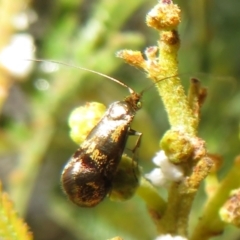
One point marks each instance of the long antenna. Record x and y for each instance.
(172, 76)
(85, 69)
(104, 75)
(153, 84)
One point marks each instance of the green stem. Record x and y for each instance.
(210, 224)
(175, 219)
(150, 195)
(171, 90)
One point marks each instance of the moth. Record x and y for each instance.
(87, 177)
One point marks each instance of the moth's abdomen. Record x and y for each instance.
(82, 181)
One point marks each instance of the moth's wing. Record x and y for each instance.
(82, 181)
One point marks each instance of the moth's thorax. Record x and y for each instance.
(120, 111)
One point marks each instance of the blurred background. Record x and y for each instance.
(36, 99)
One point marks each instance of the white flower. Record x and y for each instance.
(22, 20)
(13, 56)
(156, 177)
(166, 173)
(170, 237)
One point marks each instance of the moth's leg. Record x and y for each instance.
(132, 132)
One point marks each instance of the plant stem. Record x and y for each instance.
(210, 223)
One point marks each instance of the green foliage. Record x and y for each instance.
(11, 226)
(35, 142)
